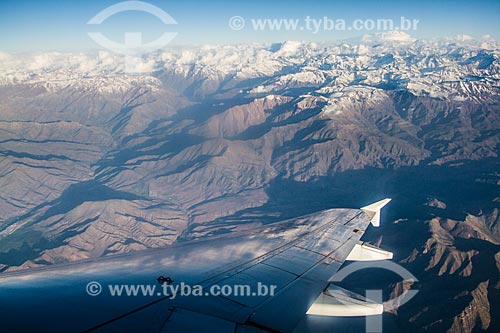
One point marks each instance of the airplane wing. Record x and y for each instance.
(262, 280)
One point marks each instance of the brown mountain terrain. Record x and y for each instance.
(93, 168)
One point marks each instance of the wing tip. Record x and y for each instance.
(373, 211)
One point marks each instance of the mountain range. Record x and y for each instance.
(208, 140)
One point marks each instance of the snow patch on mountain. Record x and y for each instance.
(385, 61)
(389, 36)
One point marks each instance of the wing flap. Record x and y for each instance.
(339, 302)
(366, 252)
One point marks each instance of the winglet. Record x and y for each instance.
(373, 211)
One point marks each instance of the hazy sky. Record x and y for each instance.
(61, 25)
